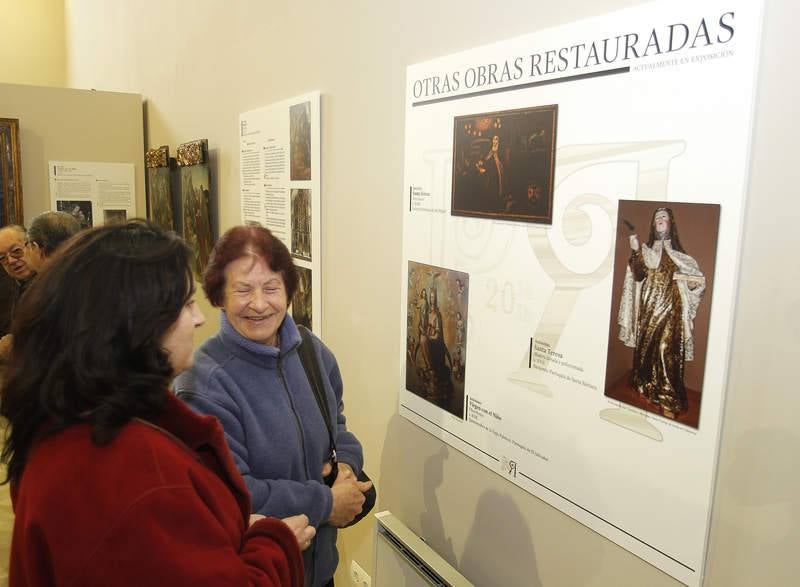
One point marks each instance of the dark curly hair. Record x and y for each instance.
(87, 336)
(241, 241)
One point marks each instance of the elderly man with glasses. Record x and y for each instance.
(12, 258)
(12, 253)
(23, 254)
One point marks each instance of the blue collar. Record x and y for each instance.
(287, 333)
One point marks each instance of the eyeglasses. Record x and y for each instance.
(15, 253)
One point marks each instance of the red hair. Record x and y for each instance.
(242, 241)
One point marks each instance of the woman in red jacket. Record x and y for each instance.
(114, 481)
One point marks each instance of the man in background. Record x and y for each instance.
(22, 256)
(12, 258)
(47, 233)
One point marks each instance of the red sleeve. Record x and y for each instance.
(170, 537)
(272, 535)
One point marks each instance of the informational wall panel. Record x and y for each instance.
(94, 193)
(573, 208)
(280, 188)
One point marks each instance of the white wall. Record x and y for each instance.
(200, 65)
(32, 43)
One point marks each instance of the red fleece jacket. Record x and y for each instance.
(163, 504)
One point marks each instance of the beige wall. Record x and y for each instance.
(32, 43)
(200, 67)
(73, 125)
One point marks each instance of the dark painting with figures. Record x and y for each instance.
(436, 335)
(160, 208)
(504, 164)
(196, 201)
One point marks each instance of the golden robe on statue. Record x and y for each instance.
(662, 290)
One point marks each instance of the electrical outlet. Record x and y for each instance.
(358, 576)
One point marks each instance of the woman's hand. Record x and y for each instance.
(344, 469)
(348, 498)
(297, 524)
(301, 529)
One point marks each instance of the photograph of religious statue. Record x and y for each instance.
(301, 300)
(660, 306)
(301, 224)
(504, 164)
(196, 201)
(300, 141)
(80, 209)
(436, 335)
(160, 207)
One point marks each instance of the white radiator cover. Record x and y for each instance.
(402, 559)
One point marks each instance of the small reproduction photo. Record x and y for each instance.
(80, 209)
(301, 224)
(504, 164)
(664, 261)
(300, 141)
(114, 216)
(302, 299)
(436, 335)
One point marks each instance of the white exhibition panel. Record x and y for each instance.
(272, 182)
(666, 118)
(95, 193)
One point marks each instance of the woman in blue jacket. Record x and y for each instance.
(250, 376)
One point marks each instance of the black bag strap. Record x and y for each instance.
(311, 367)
